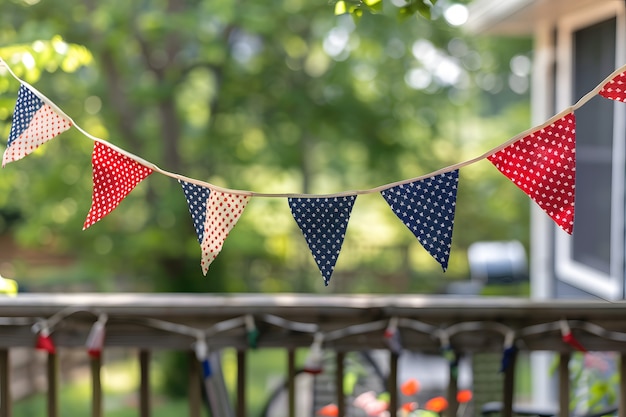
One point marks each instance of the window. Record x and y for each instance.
(590, 47)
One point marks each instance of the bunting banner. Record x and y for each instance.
(323, 222)
(114, 177)
(222, 213)
(543, 165)
(615, 89)
(540, 161)
(34, 123)
(427, 208)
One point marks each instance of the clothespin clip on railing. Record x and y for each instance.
(95, 339)
(392, 336)
(202, 354)
(44, 341)
(568, 337)
(508, 351)
(252, 332)
(313, 362)
(448, 353)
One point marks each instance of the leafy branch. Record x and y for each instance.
(357, 7)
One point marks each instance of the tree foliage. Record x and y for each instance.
(273, 96)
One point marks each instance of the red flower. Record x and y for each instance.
(408, 407)
(464, 396)
(330, 410)
(437, 404)
(410, 387)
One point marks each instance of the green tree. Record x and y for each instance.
(279, 96)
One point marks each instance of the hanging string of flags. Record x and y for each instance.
(540, 161)
(390, 332)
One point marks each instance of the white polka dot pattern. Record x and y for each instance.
(543, 165)
(222, 213)
(323, 222)
(616, 88)
(427, 208)
(197, 197)
(114, 177)
(34, 123)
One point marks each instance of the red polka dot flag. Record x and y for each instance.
(222, 213)
(616, 88)
(543, 165)
(114, 177)
(34, 123)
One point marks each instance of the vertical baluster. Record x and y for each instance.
(52, 371)
(339, 376)
(5, 388)
(144, 388)
(195, 398)
(622, 384)
(453, 388)
(564, 359)
(508, 392)
(393, 384)
(241, 383)
(96, 387)
(291, 382)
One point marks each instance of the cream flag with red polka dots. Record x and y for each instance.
(616, 88)
(222, 213)
(114, 177)
(543, 165)
(34, 123)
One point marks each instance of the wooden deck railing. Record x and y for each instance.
(339, 323)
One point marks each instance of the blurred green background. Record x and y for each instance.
(276, 96)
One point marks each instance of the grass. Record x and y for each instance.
(266, 369)
(120, 386)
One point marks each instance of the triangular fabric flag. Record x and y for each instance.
(114, 177)
(427, 208)
(616, 88)
(323, 222)
(197, 197)
(222, 213)
(543, 165)
(34, 123)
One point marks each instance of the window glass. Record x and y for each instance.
(594, 59)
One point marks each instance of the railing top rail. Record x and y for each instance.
(426, 322)
(37, 303)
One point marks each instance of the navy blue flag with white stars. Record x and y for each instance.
(197, 197)
(323, 222)
(427, 208)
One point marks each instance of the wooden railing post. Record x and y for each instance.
(96, 386)
(339, 376)
(622, 385)
(291, 382)
(564, 384)
(144, 387)
(393, 383)
(508, 392)
(52, 374)
(195, 397)
(453, 389)
(5, 384)
(241, 383)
